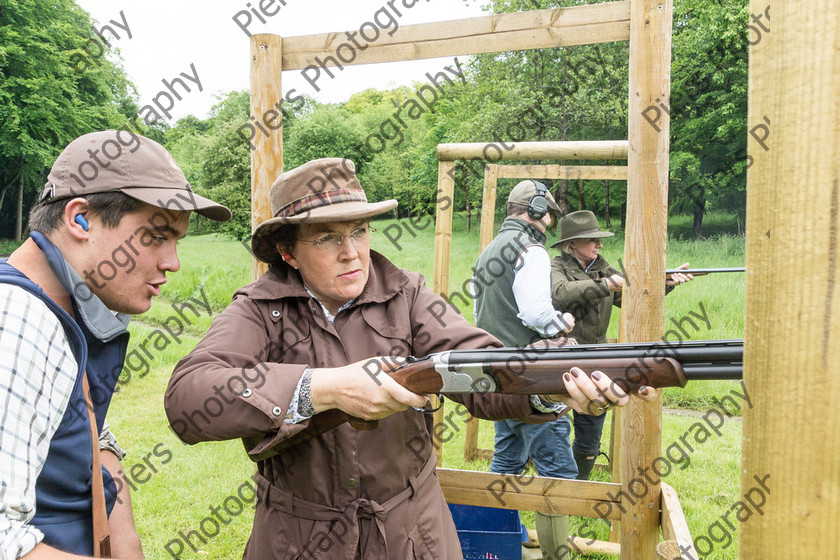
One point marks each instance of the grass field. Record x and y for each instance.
(177, 487)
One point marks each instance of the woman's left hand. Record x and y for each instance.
(678, 278)
(595, 394)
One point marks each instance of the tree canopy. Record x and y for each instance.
(54, 87)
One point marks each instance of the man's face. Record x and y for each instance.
(334, 273)
(125, 266)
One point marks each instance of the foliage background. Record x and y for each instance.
(564, 93)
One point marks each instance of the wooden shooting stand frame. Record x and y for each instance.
(646, 24)
(492, 173)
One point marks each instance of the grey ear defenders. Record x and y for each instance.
(538, 205)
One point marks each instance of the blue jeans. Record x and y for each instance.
(548, 445)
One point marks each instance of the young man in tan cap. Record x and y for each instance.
(300, 349)
(514, 304)
(585, 284)
(102, 238)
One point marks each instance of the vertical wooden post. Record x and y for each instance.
(488, 218)
(267, 158)
(793, 211)
(488, 205)
(443, 244)
(643, 308)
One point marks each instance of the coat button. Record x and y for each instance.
(275, 313)
(246, 393)
(352, 481)
(277, 411)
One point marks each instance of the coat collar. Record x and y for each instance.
(512, 223)
(598, 264)
(281, 281)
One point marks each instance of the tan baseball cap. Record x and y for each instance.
(126, 162)
(524, 191)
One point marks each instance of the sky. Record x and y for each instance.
(169, 38)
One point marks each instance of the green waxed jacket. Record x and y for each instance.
(584, 294)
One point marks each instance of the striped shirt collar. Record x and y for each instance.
(330, 317)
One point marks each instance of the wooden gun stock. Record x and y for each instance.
(542, 377)
(539, 371)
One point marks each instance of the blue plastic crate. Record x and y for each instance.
(488, 533)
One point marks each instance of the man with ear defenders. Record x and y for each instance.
(63, 341)
(514, 304)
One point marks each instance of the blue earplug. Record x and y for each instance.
(79, 219)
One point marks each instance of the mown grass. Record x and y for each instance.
(194, 479)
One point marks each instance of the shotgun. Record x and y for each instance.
(703, 271)
(538, 371)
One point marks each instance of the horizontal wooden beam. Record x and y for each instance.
(588, 546)
(530, 493)
(492, 152)
(587, 172)
(535, 29)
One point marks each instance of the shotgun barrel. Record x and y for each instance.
(704, 271)
(701, 360)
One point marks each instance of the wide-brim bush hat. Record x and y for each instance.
(581, 224)
(126, 162)
(320, 191)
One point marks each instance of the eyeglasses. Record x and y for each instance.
(333, 241)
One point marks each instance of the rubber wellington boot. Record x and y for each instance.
(553, 532)
(585, 463)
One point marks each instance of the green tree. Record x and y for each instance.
(47, 96)
(563, 93)
(709, 107)
(215, 155)
(328, 131)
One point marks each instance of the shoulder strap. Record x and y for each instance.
(101, 531)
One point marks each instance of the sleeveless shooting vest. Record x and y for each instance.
(495, 304)
(64, 503)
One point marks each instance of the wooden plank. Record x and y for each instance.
(529, 493)
(579, 25)
(642, 311)
(669, 550)
(794, 141)
(557, 172)
(674, 525)
(488, 205)
(490, 151)
(561, 487)
(267, 157)
(443, 244)
(587, 546)
(488, 217)
(617, 458)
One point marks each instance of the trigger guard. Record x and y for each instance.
(430, 410)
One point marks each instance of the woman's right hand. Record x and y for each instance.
(363, 389)
(615, 283)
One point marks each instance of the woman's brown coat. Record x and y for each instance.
(327, 490)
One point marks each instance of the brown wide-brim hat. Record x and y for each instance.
(580, 225)
(320, 191)
(126, 162)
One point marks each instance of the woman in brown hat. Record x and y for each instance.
(298, 349)
(584, 284)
